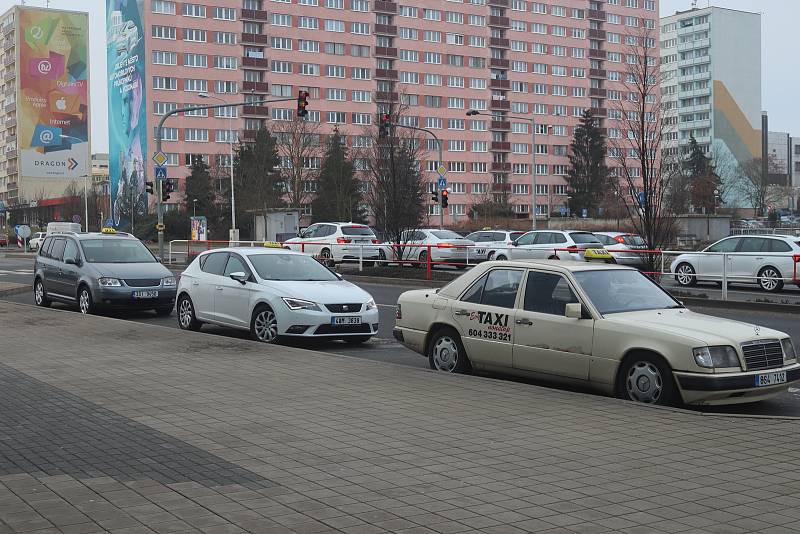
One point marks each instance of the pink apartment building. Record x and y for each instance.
(511, 60)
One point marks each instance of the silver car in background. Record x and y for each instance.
(445, 246)
(625, 247)
(488, 242)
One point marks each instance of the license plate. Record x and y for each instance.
(145, 294)
(345, 320)
(771, 379)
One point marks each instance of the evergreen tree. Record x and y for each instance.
(258, 184)
(703, 181)
(338, 196)
(696, 163)
(588, 174)
(198, 187)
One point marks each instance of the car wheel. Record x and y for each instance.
(264, 325)
(186, 317)
(446, 352)
(85, 303)
(490, 257)
(381, 258)
(326, 258)
(501, 257)
(645, 378)
(423, 258)
(769, 279)
(163, 312)
(40, 295)
(685, 275)
(356, 340)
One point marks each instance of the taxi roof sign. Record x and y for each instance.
(107, 230)
(272, 244)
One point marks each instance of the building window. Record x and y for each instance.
(194, 10)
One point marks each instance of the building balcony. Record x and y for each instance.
(597, 54)
(596, 14)
(386, 51)
(497, 63)
(10, 42)
(386, 96)
(499, 3)
(501, 188)
(255, 62)
(261, 111)
(500, 146)
(501, 166)
(694, 28)
(386, 74)
(384, 7)
(254, 14)
(689, 45)
(499, 42)
(10, 107)
(499, 22)
(11, 121)
(499, 84)
(597, 92)
(10, 75)
(11, 154)
(385, 29)
(598, 73)
(694, 61)
(501, 105)
(8, 29)
(503, 126)
(599, 112)
(254, 38)
(256, 87)
(249, 135)
(9, 60)
(597, 34)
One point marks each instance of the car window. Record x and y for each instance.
(526, 239)
(358, 230)
(475, 291)
(116, 250)
(235, 265)
(604, 239)
(310, 231)
(446, 234)
(501, 288)
(775, 245)
(57, 251)
(726, 245)
(618, 290)
(753, 244)
(71, 250)
(290, 267)
(418, 236)
(513, 235)
(547, 293)
(583, 237)
(634, 240)
(45, 247)
(215, 263)
(475, 236)
(326, 230)
(559, 238)
(544, 238)
(497, 236)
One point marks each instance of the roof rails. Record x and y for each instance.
(63, 232)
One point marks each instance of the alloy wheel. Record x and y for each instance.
(685, 274)
(185, 313)
(38, 293)
(769, 279)
(265, 326)
(85, 301)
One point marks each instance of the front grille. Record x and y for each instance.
(343, 329)
(762, 354)
(343, 308)
(143, 282)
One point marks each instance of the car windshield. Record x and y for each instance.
(623, 290)
(583, 237)
(290, 267)
(633, 240)
(446, 234)
(515, 235)
(357, 230)
(114, 250)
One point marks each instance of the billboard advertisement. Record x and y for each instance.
(53, 99)
(127, 124)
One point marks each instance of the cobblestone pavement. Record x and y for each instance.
(108, 425)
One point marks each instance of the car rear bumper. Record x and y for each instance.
(732, 388)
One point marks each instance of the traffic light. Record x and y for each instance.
(435, 197)
(302, 103)
(385, 122)
(166, 188)
(445, 194)
(148, 186)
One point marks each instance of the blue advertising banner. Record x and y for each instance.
(127, 108)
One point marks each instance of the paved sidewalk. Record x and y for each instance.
(112, 425)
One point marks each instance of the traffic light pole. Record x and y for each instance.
(440, 162)
(159, 128)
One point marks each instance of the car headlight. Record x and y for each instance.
(370, 305)
(168, 281)
(788, 350)
(109, 282)
(720, 356)
(299, 304)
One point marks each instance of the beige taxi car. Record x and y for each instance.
(607, 326)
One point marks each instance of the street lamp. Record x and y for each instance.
(532, 121)
(194, 207)
(230, 155)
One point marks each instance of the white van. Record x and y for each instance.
(63, 227)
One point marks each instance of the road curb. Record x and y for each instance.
(739, 304)
(14, 291)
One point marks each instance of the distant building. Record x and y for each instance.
(711, 65)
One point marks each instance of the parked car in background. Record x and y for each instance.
(36, 240)
(444, 245)
(488, 242)
(337, 242)
(553, 245)
(623, 247)
(766, 260)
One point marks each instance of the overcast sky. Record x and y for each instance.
(780, 72)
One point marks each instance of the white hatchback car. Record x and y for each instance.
(553, 245)
(766, 260)
(488, 242)
(625, 247)
(36, 240)
(337, 242)
(445, 246)
(273, 293)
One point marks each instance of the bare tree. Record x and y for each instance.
(754, 186)
(636, 145)
(300, 148)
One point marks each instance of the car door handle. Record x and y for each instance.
(219, 288)
(195, 283)
(460, 313)
(524, 322)
(759, 258)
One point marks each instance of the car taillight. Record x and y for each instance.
(375, 241)
(446, 245)
(399, 313)
(573, 248)
(342, 240)
(620, 239)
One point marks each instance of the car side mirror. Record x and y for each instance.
(340, 276)
(574, 310)
(240, 277)
(73, 261)
(514, 244)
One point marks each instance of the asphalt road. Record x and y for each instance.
(383, 348)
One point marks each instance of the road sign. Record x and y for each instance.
(641, 197)
(23, 230)
(76, 219)
(109, 222)
(563, 211)
(584, 213)
(442, 183)
(160, 173)
(160, 158)
(442, 170)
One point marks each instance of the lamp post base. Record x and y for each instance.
(233, 236)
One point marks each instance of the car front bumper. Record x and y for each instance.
(732, 388)
(121, 298)
(319, 324)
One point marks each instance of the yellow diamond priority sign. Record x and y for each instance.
(442, 170)
(160, 158)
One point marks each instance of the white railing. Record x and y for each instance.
(748, 230)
